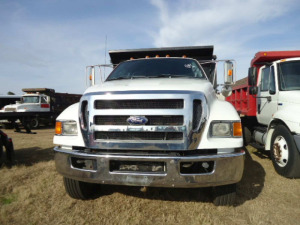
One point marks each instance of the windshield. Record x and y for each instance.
(161, 67)
(31, 99)
(289, 75)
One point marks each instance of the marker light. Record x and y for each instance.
(167, 56)
(147, 57)
(237, 129)
(157, 56)
(265, 54)
(131, 58)
(229, 72)
(58, 128)
(91, 77)
(184, 56)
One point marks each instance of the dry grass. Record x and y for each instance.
(31, 192)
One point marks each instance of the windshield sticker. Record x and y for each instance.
(188, 66)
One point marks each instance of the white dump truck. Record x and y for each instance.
(36, 106)
(269, 105)
(154, 121)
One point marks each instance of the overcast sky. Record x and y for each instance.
(48, 43)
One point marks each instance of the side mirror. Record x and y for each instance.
(90, 75)
(253, 90)
(229, 73)
(252, 76)
(226, 91)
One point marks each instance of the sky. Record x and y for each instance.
(48, 43)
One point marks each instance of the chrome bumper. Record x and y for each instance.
(228, 168)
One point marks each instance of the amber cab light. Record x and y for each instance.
(237, 129)
(58, 127)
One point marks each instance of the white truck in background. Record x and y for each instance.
(38, 106)
(155, 121)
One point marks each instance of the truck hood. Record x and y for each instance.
(20, 107)
(289, 97)
(179, 84)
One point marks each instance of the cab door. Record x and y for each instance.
(267, 95)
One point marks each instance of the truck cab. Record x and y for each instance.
(154, 121)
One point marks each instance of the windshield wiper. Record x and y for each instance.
(119, 78)
(138, 76)
(171, 76)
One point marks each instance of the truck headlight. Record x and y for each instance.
(226, 129)
(66, 128)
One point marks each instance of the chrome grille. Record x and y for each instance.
(152, 120)
(140, 104)
(138, 135)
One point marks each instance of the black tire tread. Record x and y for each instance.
(80, 190)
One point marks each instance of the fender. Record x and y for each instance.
(70, 113)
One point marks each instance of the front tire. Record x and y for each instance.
(224, 195)
(284, 153)
(34, 123)
(81, 190)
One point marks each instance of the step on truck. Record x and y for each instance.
(269, 104)
(154, 121)
(37, 106)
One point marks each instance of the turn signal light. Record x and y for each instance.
(157, 56)
(229, 72)
(237, 129)
(147, 57)
(184, 56)
(58, 127)
(167, 56)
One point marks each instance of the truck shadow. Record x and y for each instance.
(252, 182)
(30, 156)
(164, 194)
(248, 188)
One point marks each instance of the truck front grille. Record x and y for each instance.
(152, 120)
(111, 135)
(140, 104)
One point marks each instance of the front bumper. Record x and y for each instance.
(228, 168)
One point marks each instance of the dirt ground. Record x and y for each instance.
(32, 192)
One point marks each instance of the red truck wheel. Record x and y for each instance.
(284, 153)
(81, 190)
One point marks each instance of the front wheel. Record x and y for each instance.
(81, 190)
(34, 123)
(284, 153)
(224, 195)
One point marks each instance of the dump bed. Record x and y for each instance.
(200, 53)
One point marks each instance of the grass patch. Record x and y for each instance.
(6, 200)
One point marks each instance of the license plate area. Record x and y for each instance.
(139, 167)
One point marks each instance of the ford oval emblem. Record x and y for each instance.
(137, 120)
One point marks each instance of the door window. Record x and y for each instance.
(264, 84)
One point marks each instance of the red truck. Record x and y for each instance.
(268, 102)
